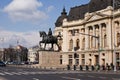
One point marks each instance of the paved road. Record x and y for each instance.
(15, 73)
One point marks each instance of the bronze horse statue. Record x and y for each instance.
(46, 39)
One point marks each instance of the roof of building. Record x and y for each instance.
(78, 12)
(60, 18)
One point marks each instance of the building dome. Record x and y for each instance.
(59, 21)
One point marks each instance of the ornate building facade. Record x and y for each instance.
(90, 34)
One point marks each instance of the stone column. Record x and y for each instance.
(81, 40)
(109, 33)
(65, 40)
(74, 43)
(100, 36)
(96, 40)
(116, 25)
(93, 37)
(86, 38)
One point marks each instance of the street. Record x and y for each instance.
(17, 73)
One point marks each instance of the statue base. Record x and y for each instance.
(49, 59)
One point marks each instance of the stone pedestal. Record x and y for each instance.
(49, 59)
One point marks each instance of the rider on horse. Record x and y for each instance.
(50, 33)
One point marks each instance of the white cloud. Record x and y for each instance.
(50, 8)
(26, 39)
(25, 10)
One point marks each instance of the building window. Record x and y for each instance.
(70, 56)
(83, 62)
(105, 41)
(60, 61)
(89, 54)
(83, 43)
(77, 43)
(90, 61)
(82, 59)
(118, 39)
(82, 55)
(91, 42)
(77, 62)
(71, 45)
(103, 61)
(103, 54)
(70, 61)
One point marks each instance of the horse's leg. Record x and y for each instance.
(58, 47)
(45, 46)
(51, 46)
(40, 44)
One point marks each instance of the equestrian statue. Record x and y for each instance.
(48, 39)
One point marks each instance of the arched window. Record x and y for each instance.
(105, 41)
(91, 46)
(77, 43)
(71, 45)
(83, 43)
(118, 39)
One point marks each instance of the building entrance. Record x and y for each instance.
(96, 59)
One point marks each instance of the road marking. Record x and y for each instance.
(32, 73)
(69, 78)
(35, 79)
(2, 74)
(25, 73)
(16, 73)
(8, 73)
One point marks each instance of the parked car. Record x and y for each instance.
(2, 64)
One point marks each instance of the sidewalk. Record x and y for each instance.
(65, 69)
(98, 72)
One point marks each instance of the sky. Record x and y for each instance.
(21, 20)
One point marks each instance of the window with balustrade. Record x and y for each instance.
(70, 45)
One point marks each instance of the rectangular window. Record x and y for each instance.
(83, 61)
(70, 61)
(60, 61)
(82, 55)
(77, 62)
(70, 56)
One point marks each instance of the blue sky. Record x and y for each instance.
(22, 19)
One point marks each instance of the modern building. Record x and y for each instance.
(33, 54)
(90, 34)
